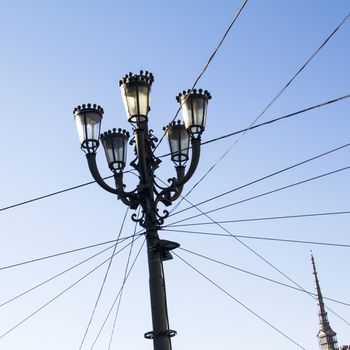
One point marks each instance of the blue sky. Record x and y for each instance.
(58, 54)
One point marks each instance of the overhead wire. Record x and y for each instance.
(265, 177)
(60, 294)
(64, 253)
(58, 192)
(273, 239)
(313, 295)
(54, 277)
(122, 287)
(104, 279)
(265, 218)
(342, 22)
(261, 194)
(271, 121)
(116, 298)
(260, 256)
(244, 3)
(239, 302)
(257, 275)
(275, 98)
(51, 194)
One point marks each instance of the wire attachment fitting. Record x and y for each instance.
(168, 333)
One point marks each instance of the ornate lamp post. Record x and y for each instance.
(135, 89)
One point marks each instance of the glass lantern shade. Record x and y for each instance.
(194, 110)
(135, 91)
(88, 121)
(115, 145)
(179, 143)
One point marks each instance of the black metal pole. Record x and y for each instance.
(160, 333)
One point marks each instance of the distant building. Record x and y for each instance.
(327, 338)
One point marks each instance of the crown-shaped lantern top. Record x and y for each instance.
(132, 78)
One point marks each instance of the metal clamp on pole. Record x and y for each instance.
(168, 333)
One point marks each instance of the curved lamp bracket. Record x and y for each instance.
(91, 159)
(129, 198)
(166, 196)
(196, 152)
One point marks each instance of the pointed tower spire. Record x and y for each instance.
(326, 336)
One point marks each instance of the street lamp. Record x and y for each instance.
(147, 195)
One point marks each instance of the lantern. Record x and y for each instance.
(88, 121)
(178, 141)
(115, 145)
(136, 90)
(194, 110)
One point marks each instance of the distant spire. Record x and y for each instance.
(326, 336)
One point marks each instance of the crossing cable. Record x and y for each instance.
(59, 192)
(261, 195)
(343, 21)
(265, 109)
(265, 218)
(62, 292)
(260, 256)
(260, 179)
(51, 194)
(271, 280)
(271, 121)
(283, 240)
(258, 276)
(117, 297)
(65, 252)
(104, 279)
(267, 176)
(239, 302)
(54, 276)
(207, 64)
(164, 155)
(123, 284)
